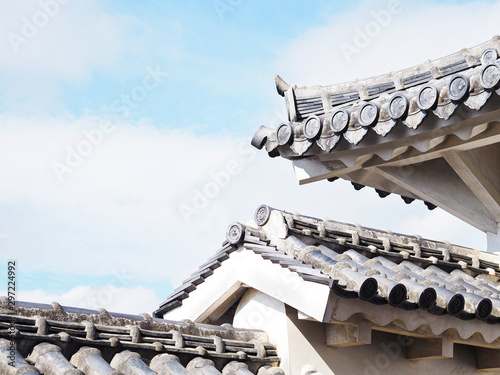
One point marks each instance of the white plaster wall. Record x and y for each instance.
(244, 267)
(385, 355)
(301, 345)
(494, 240)
(257, 310)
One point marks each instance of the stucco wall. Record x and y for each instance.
(301, 345)
(257, 310)
(385, 355)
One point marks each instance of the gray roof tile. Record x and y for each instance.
(57, 340)
(382, 267)
(379, 91)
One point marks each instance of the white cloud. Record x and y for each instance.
(120, 208)
(110, 297)
(439, 225)
(46, 45)
(64, 41)
(384, 39)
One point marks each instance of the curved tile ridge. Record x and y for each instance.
(94, 321)
(468, 57)
(388, 242)
(251, 239)
(34, 330)
(382, 267)
(322, 129)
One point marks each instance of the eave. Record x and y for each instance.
(438, 144)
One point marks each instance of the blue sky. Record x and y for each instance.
(116, 115)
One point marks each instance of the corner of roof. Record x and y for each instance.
(281, 85)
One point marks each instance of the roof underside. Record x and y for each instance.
(416, 133)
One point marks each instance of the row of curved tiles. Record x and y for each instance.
(47, 359)
(381, 280)
(472, 87)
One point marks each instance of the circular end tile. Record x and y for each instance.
(235, 233)
(456, 304)
(484, 308)
(490, 76)
(458, 87)
(489, 56)
(398, 295)
(312, 127)
(427, 298)
(368, 114)
(262, 214)
(427, 97)
(398, 106)
(339, 120)
(368, 289)
(284, 133)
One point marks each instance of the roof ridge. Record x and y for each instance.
(326, 225)
(407, 272)
(471, 56)
(388, 232)
(320, 116)
(72, 315)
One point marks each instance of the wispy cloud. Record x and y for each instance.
(37, 59)
(76, 38)
(120, 209)
(376, 37)
(110, 297)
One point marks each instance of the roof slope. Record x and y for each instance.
(428, 133)
(379, 267)
(52, 339)
(320, 116)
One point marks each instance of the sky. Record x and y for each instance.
(116, 118)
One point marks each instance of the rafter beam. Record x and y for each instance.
(424, 349)
(435, 182)
(488, 359)
(310, 169)
(423, 333)
(481, 173)
(412, 156)
(339, 335)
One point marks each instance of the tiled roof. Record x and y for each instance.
(380, 267)
(320, 116)
(53, 340)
